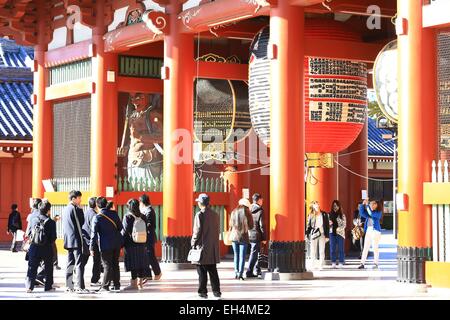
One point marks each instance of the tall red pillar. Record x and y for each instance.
(353, 179)
(287, 189)
(104, 112)
(322, 187)
(417, 145)
(42, 114)
(178, 128)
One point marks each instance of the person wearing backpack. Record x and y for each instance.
(134, 233)
(14, 224)
(42, 239)
(256, 235)
(241, 221)
(75, 243)
(106, 231)
(150, 215)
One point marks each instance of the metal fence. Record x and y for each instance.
(156, 184)
(69, 184)
(70, 72)
(441, 217)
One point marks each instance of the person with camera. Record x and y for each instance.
(318, 232)
(372, 228)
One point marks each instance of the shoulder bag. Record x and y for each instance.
(195, 254)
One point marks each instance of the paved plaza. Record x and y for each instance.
(333, 284)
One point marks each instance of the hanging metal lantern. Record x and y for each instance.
(335, 93)
(221, 118)
(385, 81)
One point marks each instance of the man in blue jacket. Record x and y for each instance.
(74, 243)
(106, 228)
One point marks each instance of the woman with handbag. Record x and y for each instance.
(318, 232)
(241, 221)
(338, 223)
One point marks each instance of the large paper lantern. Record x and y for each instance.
(335, 91)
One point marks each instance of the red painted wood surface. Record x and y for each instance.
(15, 187)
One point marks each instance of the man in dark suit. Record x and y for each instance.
(206, 236)
(87, 229)
(78, 251)
(44, 250)
(150, 215)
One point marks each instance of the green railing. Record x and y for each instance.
(70, 72)
(69, 184)
(142, 67)
(156, 185)
(141, 184)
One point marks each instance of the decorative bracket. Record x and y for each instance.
(157, 22)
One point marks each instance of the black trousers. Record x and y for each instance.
(137, 274)
(76, 262)
(203, 271)
(97, 267)
(154, 264)
(253, 259)
(110, 260)
(34, 260)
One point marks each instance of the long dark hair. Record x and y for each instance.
(133, 207)
(338, 203)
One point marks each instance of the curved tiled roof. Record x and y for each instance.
(377, 145)
(16, 88)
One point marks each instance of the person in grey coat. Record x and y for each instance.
(75, 243)
(206, 235)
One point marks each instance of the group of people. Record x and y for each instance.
(99, 233)
(323, 227)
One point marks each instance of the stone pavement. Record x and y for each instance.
(333, 284)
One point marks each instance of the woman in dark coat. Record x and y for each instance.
(136, 258)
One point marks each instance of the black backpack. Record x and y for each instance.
(38, 236)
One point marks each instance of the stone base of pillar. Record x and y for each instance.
(271, 276)
(287, 257)
(411, 264)
(176, 249)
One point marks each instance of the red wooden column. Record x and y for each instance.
(42, 114)
(359, 161)
(287, 189)
(417, 146)
(322, 187)
(178, 129)
(104, 112)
